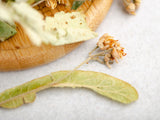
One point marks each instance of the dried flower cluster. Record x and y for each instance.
(110, 50)
(53, 3)
(131, 5)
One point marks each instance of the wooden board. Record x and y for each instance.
(19, 53)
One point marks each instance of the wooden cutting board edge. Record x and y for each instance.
(32, 56)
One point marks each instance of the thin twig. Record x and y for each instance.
(98, 59)
(98, 54)
(93, 50)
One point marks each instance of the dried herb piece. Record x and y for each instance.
(68, 28)
(65, 2)
(51, 3)
(101, 83)
(6, 31)
(106, 52)
(77, 3)
(131, 5)
(63, 28)
(84, 7)
(112, 49)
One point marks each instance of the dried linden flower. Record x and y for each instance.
(115, 51)
(131, 5)
(110, 51)
(65, 2)
(53, 3)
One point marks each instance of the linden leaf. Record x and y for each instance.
(101, 83)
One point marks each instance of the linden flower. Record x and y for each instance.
(53, 3)
(114, 51)
(131, 5)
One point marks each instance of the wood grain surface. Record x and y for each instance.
(19, 53)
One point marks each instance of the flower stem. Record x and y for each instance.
(91, 57)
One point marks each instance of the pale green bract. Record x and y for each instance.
(69, 28)
(101, 83)
(40, 30)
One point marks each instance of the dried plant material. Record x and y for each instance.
(6, 31)
(30, 19)
(111, 50)
(105, 42)
(63, 28)
(5, 14)
(137, 3)
(101, 83)
(51, 3)
(84, 3)
(69, 28)
(37, 2)
(32, 22)
(65, 2)
(131, 5)
(85, 6)
(77, 3)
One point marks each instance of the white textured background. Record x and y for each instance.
(140, 35)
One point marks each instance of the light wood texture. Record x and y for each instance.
(19, 53)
